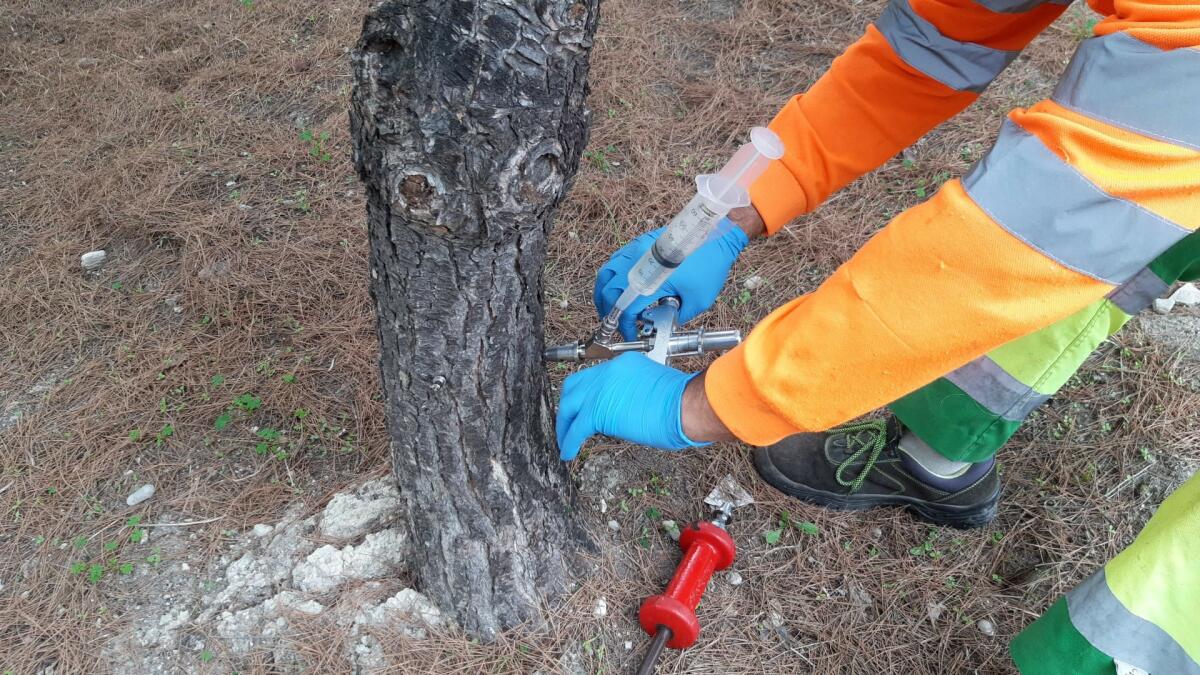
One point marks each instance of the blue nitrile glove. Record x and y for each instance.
(697, 282)
(629, 397)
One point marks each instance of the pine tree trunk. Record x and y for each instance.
(468, 120)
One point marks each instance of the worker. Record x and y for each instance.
(965, 312)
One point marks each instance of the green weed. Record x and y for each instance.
(599, 158)
(248, 402)
(316, 144)
(163, 434)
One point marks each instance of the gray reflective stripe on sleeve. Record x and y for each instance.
(1125, 82)
(1018, 6)
(1139, 292)
(992, 387)
(1103, 621)
(964, 66)
(1046, 203)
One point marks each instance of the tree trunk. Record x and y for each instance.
(468, 120)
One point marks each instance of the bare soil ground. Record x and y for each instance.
(225, 352)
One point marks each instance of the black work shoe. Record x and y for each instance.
(858, 466)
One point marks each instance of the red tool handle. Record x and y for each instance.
(706, 548)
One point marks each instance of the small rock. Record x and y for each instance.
(733, 577)
(876, 532)
(934, 611)
(671, 528)
(140, 495)
(603, 505)
(1187, 294)
(1163, 305)
(87, 62)
(353, 514)
(775, 625)
(628, 645)
(230, 183)
(184, 567)
(601, 609)
(573, 235)
(93, 260)
(753, 283)
(262, 530)
(614, 525)
(986, 627)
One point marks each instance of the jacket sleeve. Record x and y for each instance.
(921, 63)
(1077, 196)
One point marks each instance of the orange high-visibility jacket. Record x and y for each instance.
(1078, 194)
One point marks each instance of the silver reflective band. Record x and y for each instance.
(1125, 82)
(959, 65)
(1017, 6)
(1139, 292)
(1049, 205)
(992, 387)
(1101, 619)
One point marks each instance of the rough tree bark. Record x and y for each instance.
(468, 120)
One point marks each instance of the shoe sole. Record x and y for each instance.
(951, 515)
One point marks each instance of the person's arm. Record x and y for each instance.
(1078, 194)
(921, 63)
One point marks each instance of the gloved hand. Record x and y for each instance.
(696, 282)
(629, 397)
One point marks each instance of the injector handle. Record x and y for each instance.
(706, 549)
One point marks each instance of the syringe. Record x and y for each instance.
(716, 195)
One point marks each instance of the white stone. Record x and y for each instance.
(614, 525)
(1187, 294)
(1163, 305)
(368, 655)
(753, 283)
(351, 515)
(628, 645)
(93, 260)
(986, 627)
(733, 577)
(600, 610)
(140, 495)
(326, 568)
(262, 530)
(934, 610)
(412, 612)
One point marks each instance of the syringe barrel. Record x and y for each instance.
(684, 234)
(716, 195)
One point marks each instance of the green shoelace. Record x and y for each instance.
(874, 444)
